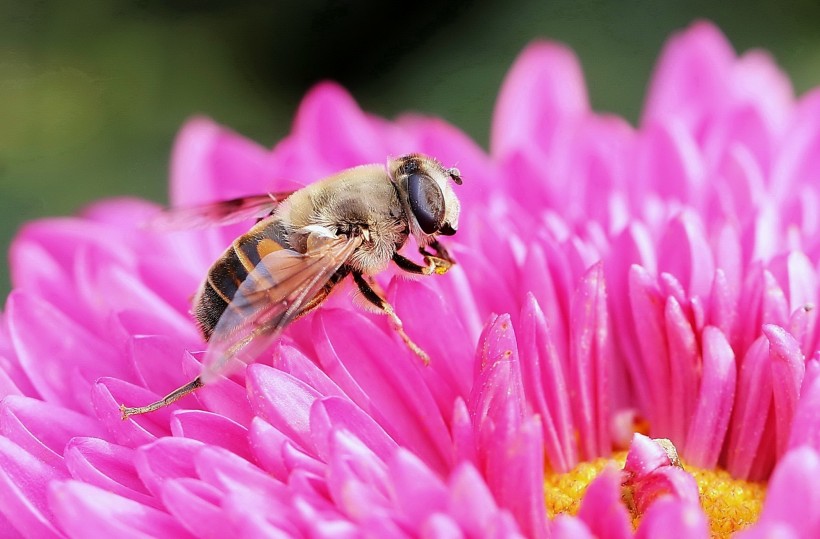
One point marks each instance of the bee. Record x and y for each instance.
(304, 244)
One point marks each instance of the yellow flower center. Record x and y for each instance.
(730, 504)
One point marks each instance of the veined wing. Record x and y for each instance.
(224, 212)
(271, 297)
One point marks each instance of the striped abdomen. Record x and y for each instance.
(231, 269)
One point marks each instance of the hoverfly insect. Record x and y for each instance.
(305, 243)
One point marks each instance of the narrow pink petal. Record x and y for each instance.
(544, 87)
(693, 69)
(55, 361)
(167, 458)
(670, 515)
(43, 429)
(283, 401)
(464, 435)
(793, 495)
(331, 413)
(717, 392)
(158, 361)
(590, 350)
(669, 163)
(645, 456)
(797, 163)
(210, 163)
(24, 481)
(267, 444)
(684, 366)
(87, 511)
(788, 368)
(231, 473)
(546, 387)
(538, 280)
(197, 506)
(108, 466)
(722, 308)
(805, 427)
(212, 429)
(388, 386)
(294, 362)
(601, 508)
(774, 309)
(750, 415)
(357, 481)
(647, 313)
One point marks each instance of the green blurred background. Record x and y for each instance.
(92, 92)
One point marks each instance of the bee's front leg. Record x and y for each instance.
(376, 299)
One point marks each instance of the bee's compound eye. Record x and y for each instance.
(426, 201)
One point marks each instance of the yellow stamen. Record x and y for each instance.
(730, 504)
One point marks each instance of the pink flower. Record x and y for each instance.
(608, 277)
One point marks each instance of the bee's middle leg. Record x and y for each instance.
(376, 299)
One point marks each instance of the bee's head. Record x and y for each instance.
(427, 194)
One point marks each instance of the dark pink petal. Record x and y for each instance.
(108, 466)
(670, 515)
(543, 89)
(751, 411)
(197, 506)
(601, 508)
(546, 387)
(24, 481)
(384, 380)
(212, 429)
(717, 392)
(332, 413)
(788, 369)
(87, 511)
(43, 429)
(793, 494)
(211, 163)
(590, 349)
(691, 73)
(60, 364)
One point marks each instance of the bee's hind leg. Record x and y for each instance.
(376, 299)
(171, 397)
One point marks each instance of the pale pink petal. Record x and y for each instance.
(419, 491)
(470, 502)
(212, 429)
(332, 413)
(684, 365)
(805, 427)
(167, 458)
(788, 368)
(793, 495)
(197, 506)
(544, 88)
(565, 527)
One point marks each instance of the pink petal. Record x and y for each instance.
(684, 363)
(440, 526)
(212, 163)
(167, 458)
(691, 73)
(590, 349)
(793, 495)
(87, 511)
(24, 481)
(788, 368)
(751, 412)
(109, 393)
(667, 514)
(212, 429)
(43, 429)
(688, 256)
(108, 466)
(601, 508)
(470, 502)
(419, 492)
(565, 527)
(332, 413)
(805, 427)
(543, 89)
(717, 392)
(197, 506)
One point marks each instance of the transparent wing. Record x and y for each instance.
(224, 212)
(271, 296)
